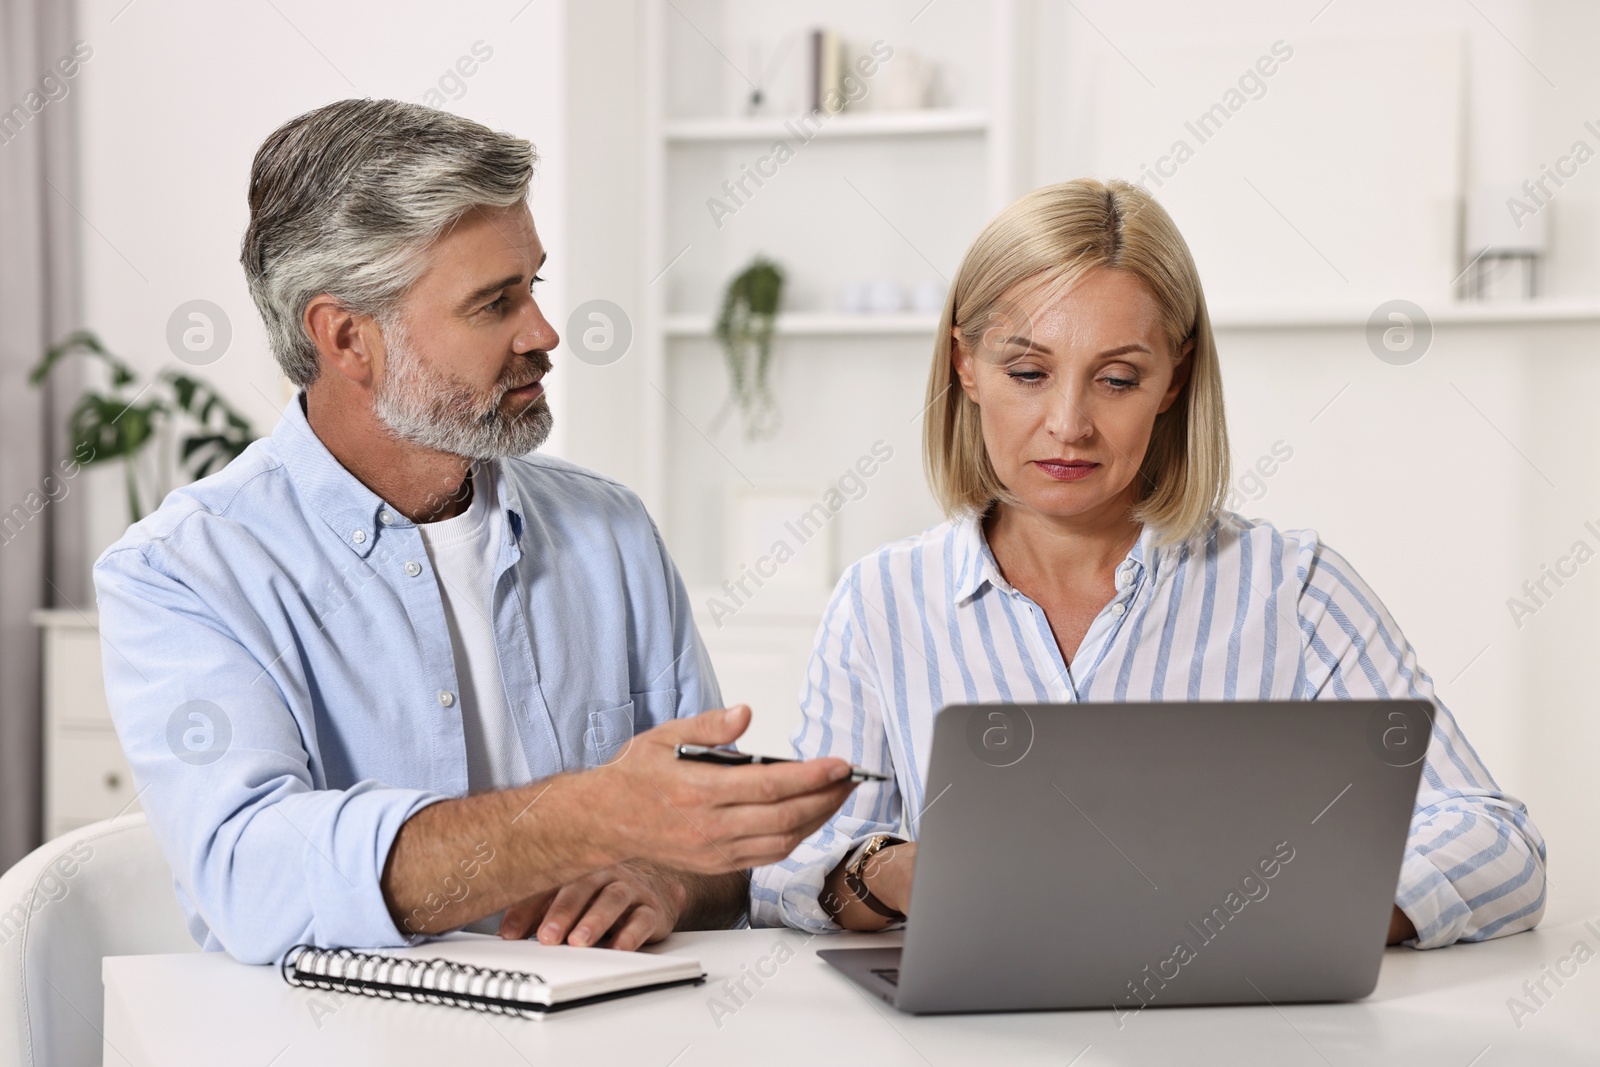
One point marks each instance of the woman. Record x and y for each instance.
(1075, 437)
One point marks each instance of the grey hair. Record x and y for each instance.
(345, 199)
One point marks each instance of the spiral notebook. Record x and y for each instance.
(490, 974)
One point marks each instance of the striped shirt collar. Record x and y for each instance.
(976, 566)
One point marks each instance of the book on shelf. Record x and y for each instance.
(827, 71)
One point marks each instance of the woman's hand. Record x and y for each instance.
(1400, 927)
(620, 907)
(888, 876)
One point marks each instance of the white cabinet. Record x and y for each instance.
(86, 778)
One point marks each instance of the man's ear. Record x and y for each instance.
(348, 341)
(961, 360)
(1180, 376)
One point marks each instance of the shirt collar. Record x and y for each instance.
(352, 511)
(975, 565)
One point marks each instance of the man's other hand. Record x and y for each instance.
(620, 907)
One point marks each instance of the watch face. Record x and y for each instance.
(857, 858)
(854, 866)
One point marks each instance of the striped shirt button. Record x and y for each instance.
(1118, 608)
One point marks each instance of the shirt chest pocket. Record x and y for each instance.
(609, 729)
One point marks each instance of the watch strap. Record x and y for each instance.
(857, 885)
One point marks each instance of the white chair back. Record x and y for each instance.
(101, 890)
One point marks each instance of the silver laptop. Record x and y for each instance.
(1150, 855)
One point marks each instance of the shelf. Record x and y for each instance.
(1286, 317)
(819, 324)
(1443, 313)
(930, 122)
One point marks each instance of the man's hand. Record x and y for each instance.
(649, 805)
(646, 807)
(616, 907)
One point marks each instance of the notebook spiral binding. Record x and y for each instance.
(430, 981)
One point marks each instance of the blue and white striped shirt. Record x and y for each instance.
(1243, 611)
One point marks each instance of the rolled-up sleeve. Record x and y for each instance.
(263, 857)
(1474, 865)
(842, 715)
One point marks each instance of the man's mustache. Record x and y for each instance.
(539, 365)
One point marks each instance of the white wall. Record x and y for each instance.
(178, 96)
(1560, 34)
(1447, 482)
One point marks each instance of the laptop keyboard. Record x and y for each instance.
(888, 974)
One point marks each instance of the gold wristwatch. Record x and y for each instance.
(856, 882)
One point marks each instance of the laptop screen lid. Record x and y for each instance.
(1133, 855)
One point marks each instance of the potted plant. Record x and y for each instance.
(112, 426)
(744, 330)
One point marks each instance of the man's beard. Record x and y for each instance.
(425, 407)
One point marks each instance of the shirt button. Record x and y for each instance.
(446, 697)
(385, 518)
(359, 536)
(1118, 609)
(413, 568)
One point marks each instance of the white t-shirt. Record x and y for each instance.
(464, 551)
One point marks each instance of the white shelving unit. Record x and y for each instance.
(661, 326)
(928, 178)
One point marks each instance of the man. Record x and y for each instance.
(378, 678)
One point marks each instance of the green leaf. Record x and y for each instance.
(183, 388)
(109, 426)
(190, 444)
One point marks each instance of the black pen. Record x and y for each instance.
(707, 754)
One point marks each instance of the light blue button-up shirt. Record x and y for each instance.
(280, 671)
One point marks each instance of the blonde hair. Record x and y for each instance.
(1054, 236)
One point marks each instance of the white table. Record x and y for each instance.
(1447, 1007)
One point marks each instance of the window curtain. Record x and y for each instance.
(42, 545)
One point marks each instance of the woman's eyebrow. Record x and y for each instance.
(1026, 342)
